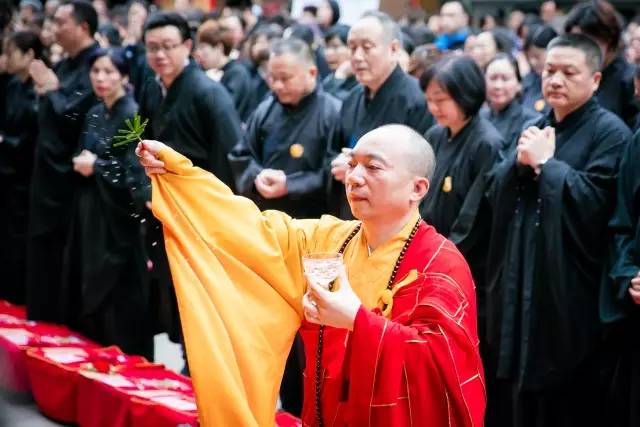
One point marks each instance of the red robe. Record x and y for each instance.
(420, 367)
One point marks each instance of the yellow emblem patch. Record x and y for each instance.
(296, 151)
(447, 185)
(539, 105)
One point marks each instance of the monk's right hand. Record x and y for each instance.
(147, 151)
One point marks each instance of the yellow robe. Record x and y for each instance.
(239, 283)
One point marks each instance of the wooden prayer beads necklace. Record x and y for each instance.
(318, 373)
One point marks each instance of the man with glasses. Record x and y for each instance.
(189, 112)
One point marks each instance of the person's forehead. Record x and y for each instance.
(450, 9)
(166, 32)
(367, 28)
(63, 11)
(286, 62)
(501, 66)
(566, 55)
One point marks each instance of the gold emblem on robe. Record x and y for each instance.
(539, 105)
(296, 151)
(447, 185)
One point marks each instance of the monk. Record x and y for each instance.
(395, 341)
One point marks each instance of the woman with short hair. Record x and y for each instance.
(106, 292)
(466, 147)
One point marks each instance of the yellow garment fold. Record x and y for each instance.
(239, 284)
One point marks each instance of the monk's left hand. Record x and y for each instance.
(337, 309)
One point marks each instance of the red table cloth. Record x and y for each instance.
(53, 374)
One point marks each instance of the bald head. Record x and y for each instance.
(405, 146)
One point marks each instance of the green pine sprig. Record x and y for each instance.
(132, 133)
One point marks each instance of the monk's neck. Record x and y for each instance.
(378, 232)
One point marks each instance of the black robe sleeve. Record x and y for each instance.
(244, 159)
(221, 124)
(615, 302)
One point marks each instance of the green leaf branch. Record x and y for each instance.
(133, 131)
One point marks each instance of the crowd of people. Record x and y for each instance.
(531, 120)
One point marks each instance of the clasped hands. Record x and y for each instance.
(271, 183)
(536, 146)
(337, 308)
(83, 163)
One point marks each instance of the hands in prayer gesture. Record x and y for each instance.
(536, 146)
(337, 308)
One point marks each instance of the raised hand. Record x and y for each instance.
(147, 151)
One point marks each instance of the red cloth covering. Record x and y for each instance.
(157, 411)
(107, 400)
(53, 374)
(17, 337)
(19, 311)
(420, 365)
(285, 419)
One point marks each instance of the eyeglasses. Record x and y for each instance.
(165, 48)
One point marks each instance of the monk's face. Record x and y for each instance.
(378, 184)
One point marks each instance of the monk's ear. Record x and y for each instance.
(420, 188)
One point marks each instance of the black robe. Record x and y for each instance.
(617, 310)
(616, 91)
(198, 119)
(61, 114)
(105, 290)
(340, 88)
(259, 87)
(19, 131)
(294, 140)
(544, 266)
(237, 80)
(532, 98)
(398, 101)
(455, 204)
(510, 122)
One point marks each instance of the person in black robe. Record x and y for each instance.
(191, 113)
(258, 49)
(279, 163)
(551, 200)
(212, 53)
(18, 133)
(104, 280)
(134, 50)
(620, 296)
(504, 111)
(600, 21)
(65, 98)
(341, 80)
(535, 47)
(466, 146)
(385, 95)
